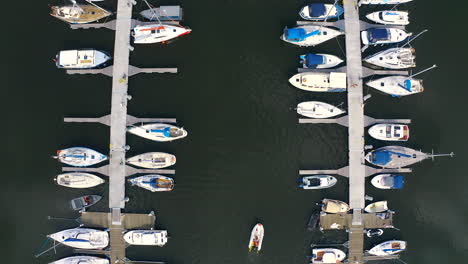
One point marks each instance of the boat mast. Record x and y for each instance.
(326, 17)
(423, 71)
(153, 11)
(91, 2)
(75, 5)
(413, 38)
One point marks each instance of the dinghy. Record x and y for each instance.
(83, 238)
(374, 232)
(319, 61)
(78, 180)
(313, 221)
(309, 35)
(327, 255)
(394, 58)
(389, 17)
(79, 14)
(158, 132)
(389, 132)
(377, 207)
(83, 202)
(79, 156)
(398, 156)
(334, 206)
(388, 181)
(317, 11)
(146, 237)
(377, 36)
(163, 13)
(81, 260)
(81, 59)
(157, 33)
(388, 248)
(154, 183)
(320, 81)
(256, 238)
(315, 109)
(317, 182)
(397, 86)
(152, 160)
(383, 2)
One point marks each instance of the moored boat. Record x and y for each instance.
(152, 160)
(309, 35)
(81, 59)
(334, 206)
(377, 36)
(256, 238)
(388, 181)
(314, 182)
(389, 132)
(327, 255)
(157, 33)
(83, 238)
(318, 11)
(79, 14)
(81, 260)
(154, 183)
(383, 2)
(80, 156)
(320, 81)
(377, 207)
(163, 13)
(319, 61)
(389, 17)
(374, 232)
(388, 248)
(146, 237)
(313, 221)
(397, 86)
(398, 156)
(78, 180)
(158, 132)
(315, 109)
(393, 58)
(83, 202)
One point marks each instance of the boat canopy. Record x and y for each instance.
(313, 60)
(166, 131)
(398, 182)
(407, 84)
(381, 157)
(317, 10)
(376, 34)
(329, 257)
(299, 34)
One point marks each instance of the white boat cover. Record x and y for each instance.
(146, 237)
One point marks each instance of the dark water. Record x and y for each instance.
(240, 161)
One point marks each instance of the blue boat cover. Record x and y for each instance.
(71, 239)
(408, 85)
(398, 181)
(166, 131)
(391, 14)
(317, 10)
(313, 60)
(381, 157)
(295, 34)
(376, 34)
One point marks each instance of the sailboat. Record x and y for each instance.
(393, 58)
(152, 160)
(318, 11)
(146, 237)
(158, 132)
(79, 13)
(319, 61)
(157, 33)
(383, 2)
(388, 248)
(81, 260)
(78, 180)
(388, 181)
(83, 238)
(256, 238)
(79, 156)
(389, 132)
(397, 85)
(389, 17)
(398, 156)
(309, 35)
(81, 59)
(377, 36)
(154, 183)
(327, 255)
(320, 81)
(316, 109)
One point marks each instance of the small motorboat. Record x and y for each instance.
(397, 85)
(317, 11)
(334, 206)
(397, 156)
(152, 160)
(78, 180)
(320, 81)
(81, 260)
(154, 183)
(163, 13)
(81, 59)
(146, 237)
(309, 35)
(83, 202)
(315, 182)
(157, 33)
(319, 61)
(389, 132)
(256, 238)
(158, 132)
(313, 221)
(79, 14)
(377, 36)
(374, 232)
(377, 207)
(388, 181)
(394, 58)
(327, 255)
(79, 156)
(383, 2)
(315, 109)
(388, 248)
(389, 17)
(83, 238)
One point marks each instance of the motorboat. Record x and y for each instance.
(315, 109)
(388, 248)
(377, 207)
(377, 36)
(334, 206)
(158, 132)
(79, 14)
(320, 81)
(152, 160)
(310, 35)
(389, 17)
(157, 33)
(318, 11)
(78, 180)
(313, 221)
(394, 58)
(83, 238)
(81, 59)
(146, 237)
(81, 260)
(397, 85)
(315, 182)
(256, 238)
(83, 202)
(80, 156)
(319, 61)
(388, 181)
(327, 255)
(398, 156)
(389, 132)
(154, 183)
(383, 2)
(374, 232)
(163, 13)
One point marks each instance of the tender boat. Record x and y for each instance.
(79, 14)
(81, 59)
(327, 255)
(389, 132)
(313, 221)
(146, 237)
(310, 35)
(394, 58)
(78, 180)
(377, 207)
(398, 156)
(80, 156)
(320, 81)
(157, 33)
(334, 206)
(383, 2)
(374, 232)
(389, 17)
(256, 238)
(377, 36)
(83, 202)
(397, 86)
(388, 248)
(315, 109)
(84, 238)
(81, 260)
(315, 182)
(163, 13)
(319, 61)
(158, 132)
(154, 183)
(388, 181)
(317, 11)
(152, 160)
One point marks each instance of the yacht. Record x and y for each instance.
(81, 260)
(388, 248)
(315, 109)
(79, 14)
(318, 11)
(377, 36)
(78, 180)
(389, 132)
(394, 58)
(83, 238)
(79, 156)
(397, 85)
(315, 182)
(152, 160)
(81, 59)
(146, 237)
(256, 238)
(319, 61)
(389, 17)
(157, 33)
(327, 255)
(309, 35)
(388, 181)
(154, 183)
(158, 132)
(320, 81)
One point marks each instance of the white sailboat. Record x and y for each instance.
(157, 33)
(320, 81)
(81, 260)
(79, 13)
(158, 132)
(154, 183)
(377, 207)
(377, 36)
(383, 2)
(394, 58)
(397, 86)
(310, 35)
(388, 248)
(389, 132)
(256, 238)
(146, 237)
(315, 182)
(79, 156)
(327, 255)
(319, 61)
(152, 160)
(389, 17)
(84, 238)
(78, 180)
(81, 59)
(316, 109)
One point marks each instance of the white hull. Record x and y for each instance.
(323, 34)
(81, 260)
(315, 182)
(388, 248)
(394, 35)
(377, 207)
(385, 182)
(256, 238)
(158, 132)
(320, 81)
(397, 85)
(315, 109)
(146, 237)
(158, 33)
(389, 132)
(78, 180)
(83, 238)
(395, 157)
(327, 255)
(334, 206)
(383, 2)
(329, 61)
(154, 183)
(331, 11)
(394, 58)
(388, 17)
(152, 160)
(80, 157)
(81, 59)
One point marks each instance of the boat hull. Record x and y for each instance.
(334, 206)
(158, 33)
(315, 109)
(389, 132)
(327, 255)
(391, 247)
(393, 58)
(81, 59)
(78, 180)
(73, 15)
(331, 12)
(329, 61)
(83, 238)
(395, 35)
(387, 181)
(387, 17)
(152, 160)
(146, 237)
(81, 260)
(154, 183)
(158, 132)
(80, 156)
(256, 238)
(395, 157)
(396, 86)
(377, 207)
(324, 35)
(319, 81)
(316, 182)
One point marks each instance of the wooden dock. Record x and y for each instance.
(128, 221)
(345, 221)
